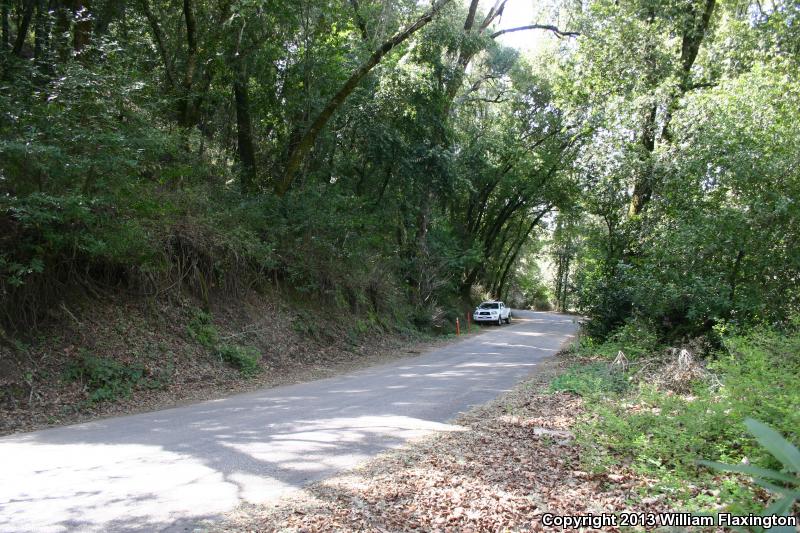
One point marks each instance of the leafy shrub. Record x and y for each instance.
(635, 338)
(759, 373)
(201, 329)
(785, 484)
(105, 378)
(655, 430)
(662, 434)
(244, 358)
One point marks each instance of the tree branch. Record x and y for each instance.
(158, 37)
(548, 27)
(700, 85)
(473, 8)
(360, 23)
(303, 147)
(22, 28)
(496, 11)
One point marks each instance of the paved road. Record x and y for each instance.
(169, 470)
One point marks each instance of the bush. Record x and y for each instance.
(759, 374)
(105, 378)
(783, 483)
(244, 358)
(635, 338)
(201, 329)
(661, 434)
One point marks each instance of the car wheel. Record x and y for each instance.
(499, 321)
(508, 319)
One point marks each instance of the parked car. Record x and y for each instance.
(492, 311)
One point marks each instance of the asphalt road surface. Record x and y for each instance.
(176, 469)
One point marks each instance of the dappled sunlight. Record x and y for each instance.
(91, 484)
(153, 470)
(493, 365)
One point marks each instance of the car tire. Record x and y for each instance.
(508, 319)
(500, 321)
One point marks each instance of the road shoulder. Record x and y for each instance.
(516, 460)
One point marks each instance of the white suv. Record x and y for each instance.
(491, 311)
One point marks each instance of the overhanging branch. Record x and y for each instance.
(548, 27)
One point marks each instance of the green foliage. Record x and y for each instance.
(117, 175)
(661, 434)
(244, 358)
(758, 371)
(784, 484)
(527, 288)
(107, 379)
(591, 381)
(202, 329)
(635, 338)
(716, 238)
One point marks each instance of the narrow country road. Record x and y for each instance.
(171, 470)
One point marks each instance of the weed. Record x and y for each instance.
(244, 358)
(104, 378)
(784, 484)
(108, 380)
(596, 379)
(660, 434)
(306, 325)
(635, 338)
(201, 328)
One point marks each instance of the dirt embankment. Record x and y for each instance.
(118, 357)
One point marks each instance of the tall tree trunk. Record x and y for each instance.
(517, 246)
(643, 188)
(41, 31)
(188, 102)
(61, 28)
(246, 150)
(6, 28)
(465, 54)
(559, 277)
(693, 34)
(306, 142)
(562, 303)
(83, 24)
(362, 25)
(110, 12)
(737, 263)
(22, 28)
(158, 38)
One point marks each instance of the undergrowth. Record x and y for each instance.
(106, 379)
(591, 380)
(634, 421)
(202, 330)
(243, 358)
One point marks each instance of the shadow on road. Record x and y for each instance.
(170, 469)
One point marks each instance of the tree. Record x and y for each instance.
(306, 142)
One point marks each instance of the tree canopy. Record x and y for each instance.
(394, 155)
